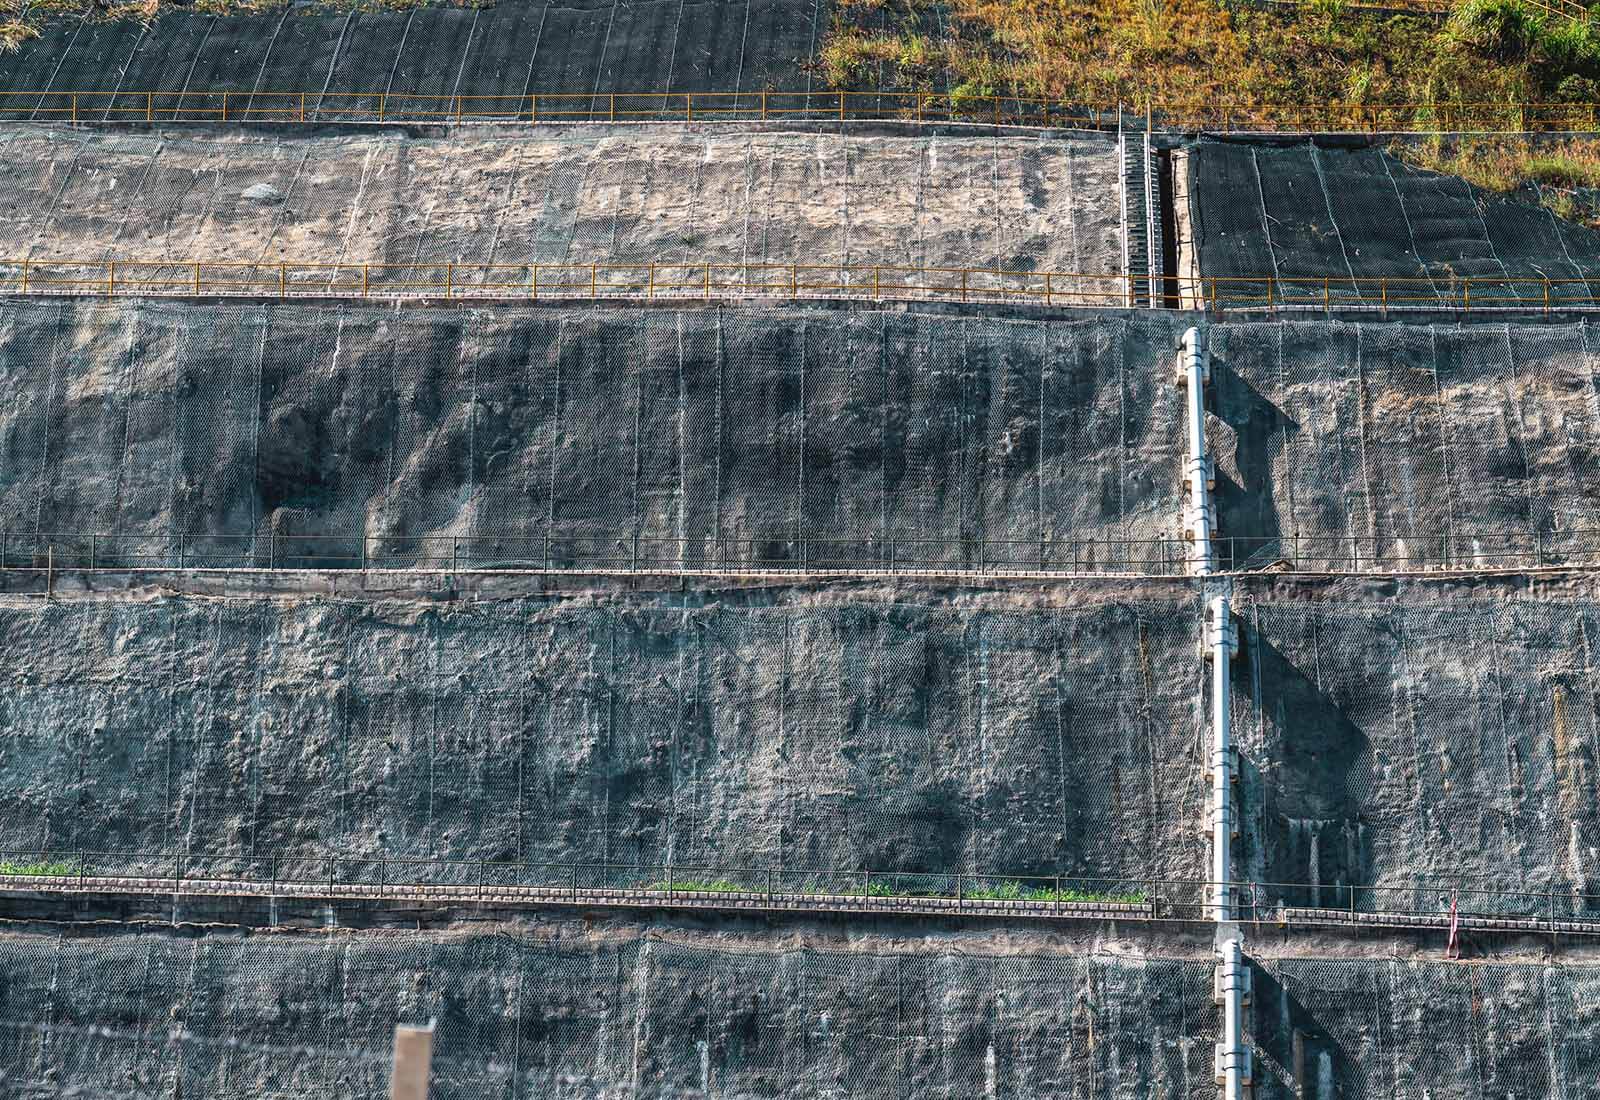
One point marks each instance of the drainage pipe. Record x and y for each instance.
(1233, 990)
(1199, 478)
(1222, 643)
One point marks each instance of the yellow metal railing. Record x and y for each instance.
(688, 281)
(622, 107)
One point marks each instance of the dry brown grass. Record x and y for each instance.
(1562, 175)
(1194, 52)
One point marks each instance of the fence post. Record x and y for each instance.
(533, 108)
(74, 108)
(111, 279)
(594, 276)
(25, 265)
(841, 106)
(366, 281)
(382, 105)
(224, 106)
(149, 106)
(197, 278)
(613, 107)
(1046, 288)
(449, 280)
(794, 280)
(302, 106)
(764, 105)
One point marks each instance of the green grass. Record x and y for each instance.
(1008, 890)
(37, 867)
(1562, 175)
(1192, 54)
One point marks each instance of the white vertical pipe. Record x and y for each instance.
(1193, 374)
(1233, 978)
(1224, 643)
(1233, 1058)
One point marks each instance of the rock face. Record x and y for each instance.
(598, 437)
(1391, 446)
(777, 730)
(571, 196)
(150, 1015)
(1417, 748)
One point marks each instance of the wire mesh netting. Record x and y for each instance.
(1422, 752)
(503, 50)
(1394, 446)
(567, 199)
(1379, 1028)
(148, 1016)
(316, 437)
(853, 735)
(1334, 222)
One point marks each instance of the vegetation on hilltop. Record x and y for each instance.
(1199, 52)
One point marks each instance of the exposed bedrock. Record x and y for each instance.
(587, 437)
(781, 729)
(609, 1012)
(573, 196)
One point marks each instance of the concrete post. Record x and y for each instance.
(413, 1055)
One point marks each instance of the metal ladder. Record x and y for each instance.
(1141, 221)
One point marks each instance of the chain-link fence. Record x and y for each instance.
(585, 438)
(1381, 1028)
(1401, 446)
(383, 214)
(769, 731)
(143, 1016)
(1300, 214)
(1423, 753)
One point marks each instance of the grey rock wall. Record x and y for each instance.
(1392, 446)
(586, 437)
(150, 1015)
(784, 729)
(1334, 1027)
(565, 195)
(1418, 747)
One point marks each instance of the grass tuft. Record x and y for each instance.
(43, 868)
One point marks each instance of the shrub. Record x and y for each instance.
(1506, 30)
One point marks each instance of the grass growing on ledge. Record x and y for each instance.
(1563, 176)
(41, 868)
(1198, 52)
(1004, 891)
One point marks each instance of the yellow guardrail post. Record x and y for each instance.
(74, 108)
(1325, 294)
(111, 279)
(302, 106)
(449, 281)
(282, 279)
(149, 106)
(706, 282)
(1047, 288)
(613, 116)
(24, 276)
(197, 278)
(365, 280)
(841, 106)
(533, 283)
(764, 105)
(651, 293)
(224, 106)
(794, 281)
(533, 108)
(383, 106)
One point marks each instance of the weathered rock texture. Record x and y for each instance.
(1421, 746)
(567, 196)
(152, 1016)
(587, 437)
(781, 729)
(1393, 446)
